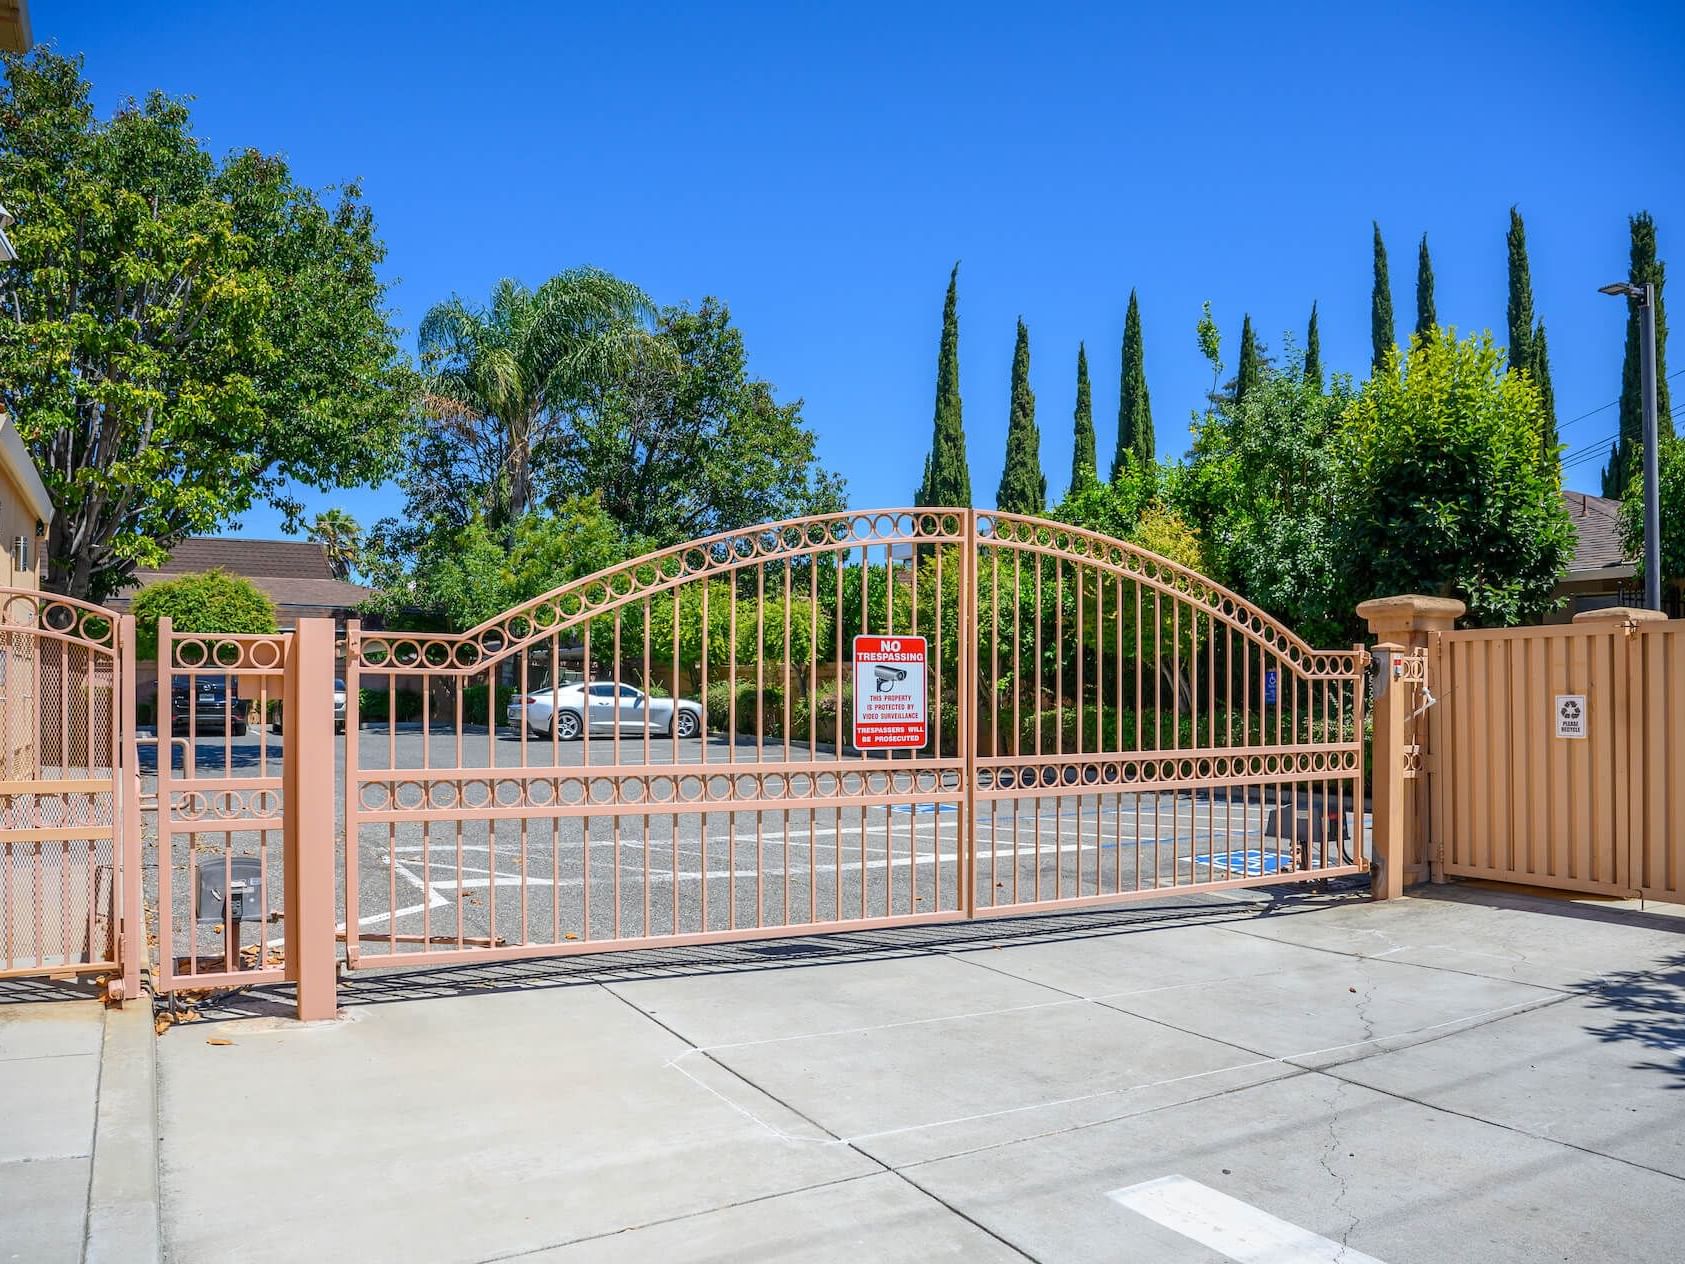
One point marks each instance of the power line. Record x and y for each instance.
(1596, 448)
(1596, 451)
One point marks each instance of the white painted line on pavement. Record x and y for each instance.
(1230, 1227)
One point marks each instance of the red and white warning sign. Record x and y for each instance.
(889, 692)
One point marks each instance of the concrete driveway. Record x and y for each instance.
(1460, 1076)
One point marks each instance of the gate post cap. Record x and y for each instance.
(1620, 614)
(1410, 612)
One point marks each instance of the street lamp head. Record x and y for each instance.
(1622, 289)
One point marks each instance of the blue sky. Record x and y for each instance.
(821, 167)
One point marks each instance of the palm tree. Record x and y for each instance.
(340, 536)
(507, 376)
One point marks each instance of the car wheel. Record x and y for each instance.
(687, 723)
(240, 729)
(567, 726)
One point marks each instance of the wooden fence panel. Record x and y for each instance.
(1517, 797)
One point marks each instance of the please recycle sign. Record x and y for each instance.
(889, 692)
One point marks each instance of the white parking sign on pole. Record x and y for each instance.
(889, 692)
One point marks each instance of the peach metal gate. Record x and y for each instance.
(70, 873)
(664, 752)
(220, 807)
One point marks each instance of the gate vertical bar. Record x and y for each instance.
(127, 837)
(309, 831)
(164, 745)
(967, 702)
(352, 789)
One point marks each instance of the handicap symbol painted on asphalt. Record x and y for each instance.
(1250, 864)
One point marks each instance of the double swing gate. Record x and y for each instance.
(692, 747)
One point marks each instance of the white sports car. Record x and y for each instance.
(565, 711)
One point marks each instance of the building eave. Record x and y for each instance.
(14, 455)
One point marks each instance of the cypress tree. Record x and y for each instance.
(1313, 352)
(1247, 375)
(1520, 310)
(1625, 458)
(1548, 441)
(1381, 328)
(1082, 448)
(1427, 320)
(947, 474)
(1134, 406)
(1023, 487)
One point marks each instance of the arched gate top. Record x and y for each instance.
(729, 551)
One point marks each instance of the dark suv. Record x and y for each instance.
(216, 706)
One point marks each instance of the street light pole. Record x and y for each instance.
(1652, 490)
(1645, 296)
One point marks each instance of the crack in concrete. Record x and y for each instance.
(1325, 1159)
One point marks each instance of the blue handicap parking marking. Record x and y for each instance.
(924, 809)
(1250, 864)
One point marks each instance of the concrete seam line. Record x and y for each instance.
(689, 1215)
(1333, 1073)
(123, 1225)
(805, 1117)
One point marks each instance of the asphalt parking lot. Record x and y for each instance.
(448, 884)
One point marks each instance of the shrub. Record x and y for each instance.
(209, 601)
(475, 698)
(771, 709)
(374, 706)
(825, 709)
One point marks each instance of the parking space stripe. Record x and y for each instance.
(1229, 1226)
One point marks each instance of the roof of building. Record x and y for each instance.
(291, 572)
(1597, 529)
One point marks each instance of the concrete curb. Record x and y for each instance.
(123, 1190)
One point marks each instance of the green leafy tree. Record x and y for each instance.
(503, 381)
(207, 601)
(947, 474)
(1135, 409)
(1427, 319)
(1626, 457)
(1251, 368)
(1313, 352)
(340, 536)
(1670, 483)
(1269, 470)
(1082, 447)
(1023, 487)
(1519, 312)
(181, 338)
(458, 578)
(1115, 508)
(1442, 489)
(686, 443)
(1382, 331)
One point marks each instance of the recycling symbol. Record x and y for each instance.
(1570, 710)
